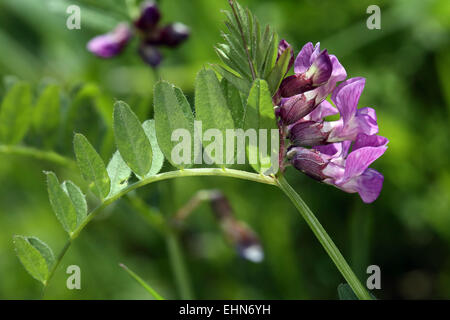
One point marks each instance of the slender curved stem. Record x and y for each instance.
(324, 239)
(37, 154)
(159, 177)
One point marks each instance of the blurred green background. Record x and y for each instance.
(406, 231)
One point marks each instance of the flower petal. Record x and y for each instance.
(346, 97)
(320, 70)
(368, 185)
(359, 160)
(110, 44)
(302, 62)
(364, 140)
(324, 109)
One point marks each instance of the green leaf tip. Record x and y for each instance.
(36, 257)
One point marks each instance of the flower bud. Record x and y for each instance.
(308, 161)
(173, 34)
(282, 46)
(149, 17)
(150, 54)
(307, 134)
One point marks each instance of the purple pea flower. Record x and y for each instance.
(316, 75)
(110, 44)
(313, 130)
(349, 171)
(151, 36)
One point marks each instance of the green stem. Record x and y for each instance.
(178, 266)
(176, 258)
(141, 281)
(325, 240)
(159, 177)
(37, 154)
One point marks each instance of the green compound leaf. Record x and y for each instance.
(91, 166)
(259, 115)
(173, 112)
(158, 156)
(47, 110)
(118, 172)
(131, 140)
(212, 110)
(35, 256)
(15, 113)
(61, 203)
(78, 199)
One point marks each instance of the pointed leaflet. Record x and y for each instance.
(35, 256)
(78, 199)
(61, 203)
(47, 110)
(91, 166)
(44, 250)
(259, 115)
(278, 72)
(131, 139)
(172, 112)
(211, 107)
(118, 172)
(15, 113)
(234, 102)
(158, 156)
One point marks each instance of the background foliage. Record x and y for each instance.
(406, 231)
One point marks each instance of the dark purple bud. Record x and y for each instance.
(149, 17)
(245, 240)
(307, 134)
(150, 54)
(173, 34)
(282, 46)
(308, 161)
(294, 108)
(220, 205)
(110, 44)
(241, 236)
(295, 84)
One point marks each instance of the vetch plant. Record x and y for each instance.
(254, 92)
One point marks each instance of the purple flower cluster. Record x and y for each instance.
(151, 36)
(336, 152)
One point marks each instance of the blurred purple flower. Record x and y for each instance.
(316, 75)
(110, 44)
(152, 36)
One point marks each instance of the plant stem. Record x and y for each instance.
(159, 177)
(174, 251)
(37, 154)
(141, 281)
(324, 239)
